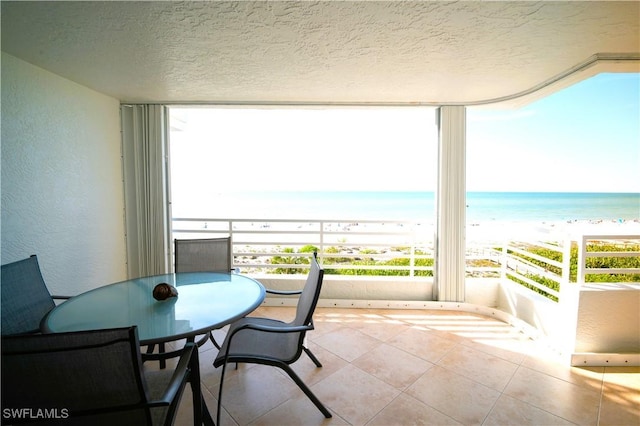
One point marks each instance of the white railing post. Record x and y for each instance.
(568, 298)
(504, 259)
(230, 229)
(412, 252)
(566, 261)
(582, 259)
(321, 239)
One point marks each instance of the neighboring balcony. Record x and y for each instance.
(553, 286)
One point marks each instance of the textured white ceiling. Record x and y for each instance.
(318, 52)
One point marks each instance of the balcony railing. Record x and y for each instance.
(590, 248)
(402, 248)
(358, 246)
(545, 265)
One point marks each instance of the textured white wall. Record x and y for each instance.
(609, 319)
(536, 310)
(62, 192)
(603, 318)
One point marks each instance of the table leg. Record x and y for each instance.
(201, 414)
(161, 350)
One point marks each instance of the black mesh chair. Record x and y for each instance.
(203, 255)
(89, 378)
(200, 255)
(273, 342)
(25, 297)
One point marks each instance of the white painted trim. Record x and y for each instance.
(594, 64)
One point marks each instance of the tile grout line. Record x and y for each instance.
(604, 371)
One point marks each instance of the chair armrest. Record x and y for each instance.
(264, 328)
(283, 292)
(272, 329)
(178, 379)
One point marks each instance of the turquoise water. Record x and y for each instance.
(420, 206)
(552, 206)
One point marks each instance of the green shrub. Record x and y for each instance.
(542, 280)
(292, 260)
(592, 262)
(364, 260)
(354, 263)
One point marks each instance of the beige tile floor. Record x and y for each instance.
(401, 367)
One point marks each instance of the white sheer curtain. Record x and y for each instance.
(145, 171)
(451, 201)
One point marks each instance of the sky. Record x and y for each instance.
(585, 138)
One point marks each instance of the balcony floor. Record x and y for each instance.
(402, 367)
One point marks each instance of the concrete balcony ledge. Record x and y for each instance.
(479, 291)
(361, 288)
(608, 325)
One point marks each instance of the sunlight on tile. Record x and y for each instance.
(569, 401)
(392, 367)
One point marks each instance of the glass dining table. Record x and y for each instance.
(205, 301)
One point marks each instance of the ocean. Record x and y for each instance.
(412, 206)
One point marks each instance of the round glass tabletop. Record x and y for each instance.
(206, 301)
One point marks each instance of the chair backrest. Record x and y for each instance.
(95, 374)
(25, 297)
(310, 294)
(203, 255)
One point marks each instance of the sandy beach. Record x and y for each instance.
(488, 232)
